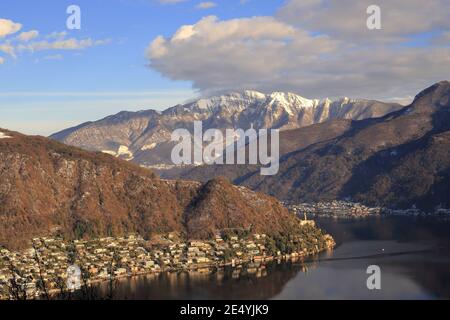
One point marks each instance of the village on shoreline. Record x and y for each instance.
(340, 209)
(43, 269)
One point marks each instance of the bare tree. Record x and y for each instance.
(112, 281)
(40, 283)
(16, 289)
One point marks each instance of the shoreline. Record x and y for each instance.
(341, 209)
(204, 268)
(59, 263)
(382, 216)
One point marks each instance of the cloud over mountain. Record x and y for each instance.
(346, 19)
(318, 48)
(233, 54)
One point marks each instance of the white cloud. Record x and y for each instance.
(7, 48)
(57, 35)
(346, 19)
(66, 44)
(54, 41)
(8, 27)
(28, 35)
(206, 5)
(248, 52)
(309, 54)
(2, 60)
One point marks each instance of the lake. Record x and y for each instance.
(413, 255)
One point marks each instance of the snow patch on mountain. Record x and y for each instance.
(4, 136)
(149, 146)
(110, 152)
(124, 151)
(145, 136)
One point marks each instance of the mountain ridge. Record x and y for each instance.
(399, 160)
(144, 136)
(48, 188)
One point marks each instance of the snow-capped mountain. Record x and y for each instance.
(397, 161)
(144, 136)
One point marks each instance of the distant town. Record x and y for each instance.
(340, 209)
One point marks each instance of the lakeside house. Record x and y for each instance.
(99, 259)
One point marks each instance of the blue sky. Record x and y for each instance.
(52, 89)
(142, 54)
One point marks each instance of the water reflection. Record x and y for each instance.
(246, 282)
(413, 255)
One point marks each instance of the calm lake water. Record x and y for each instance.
(412, 253)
